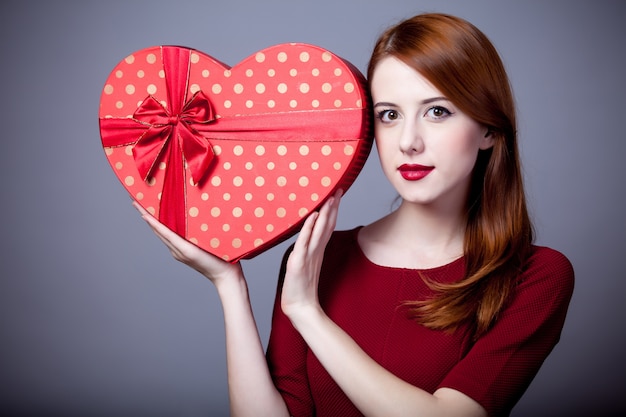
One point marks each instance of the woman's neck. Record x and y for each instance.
(414, 236)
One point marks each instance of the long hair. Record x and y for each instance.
(461, 62)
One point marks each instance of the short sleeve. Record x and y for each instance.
(286, 357)
(500, 366)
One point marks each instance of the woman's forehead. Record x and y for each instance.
(394, 78)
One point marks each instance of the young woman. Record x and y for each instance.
(444, 307)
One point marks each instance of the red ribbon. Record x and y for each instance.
(180, 134)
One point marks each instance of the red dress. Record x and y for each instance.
(365, 299)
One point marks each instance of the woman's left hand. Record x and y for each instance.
(305, 261)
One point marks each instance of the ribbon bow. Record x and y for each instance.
(166, 131)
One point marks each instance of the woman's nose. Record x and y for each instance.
(411, 140)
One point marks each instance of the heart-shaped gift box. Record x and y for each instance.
(234, 159)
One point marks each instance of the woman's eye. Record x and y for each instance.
(387, 116)
(438, 112)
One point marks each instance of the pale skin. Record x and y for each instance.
(416, 133)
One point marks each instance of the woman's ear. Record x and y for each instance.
(487, 140)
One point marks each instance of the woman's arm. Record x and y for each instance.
(374, 390)
(251, 390)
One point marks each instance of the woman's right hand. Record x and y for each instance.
(248, 373)
(215, 269)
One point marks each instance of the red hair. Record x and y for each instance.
(461, 62)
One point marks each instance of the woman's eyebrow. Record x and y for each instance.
(433, 99)
(423, 102)
(385, 104)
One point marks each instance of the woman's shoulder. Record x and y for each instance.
(549, 268)
(341, 238)
(548, 258)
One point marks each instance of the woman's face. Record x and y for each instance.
(427, 146)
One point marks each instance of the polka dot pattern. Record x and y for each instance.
(258, 192)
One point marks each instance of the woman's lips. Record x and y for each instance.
(414, 172)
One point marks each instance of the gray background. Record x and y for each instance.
(97, 319)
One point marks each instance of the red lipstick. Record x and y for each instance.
(414, 172)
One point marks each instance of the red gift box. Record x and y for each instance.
(234, 159)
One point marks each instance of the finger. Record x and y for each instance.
(327, 220)
(304, 237)
(186, 252)
(140, 209)
(334, 209)
(163, 236)
(160, 230)
(322, 221)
